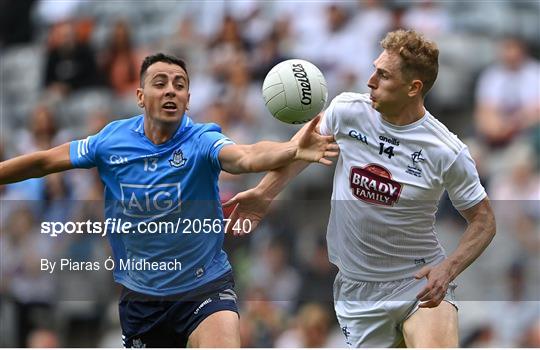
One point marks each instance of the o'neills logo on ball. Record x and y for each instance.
(301, 76)
(373, 184)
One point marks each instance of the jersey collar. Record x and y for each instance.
(184, 126)
(404, 127)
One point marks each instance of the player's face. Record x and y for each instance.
(165, 94)
(389, 90)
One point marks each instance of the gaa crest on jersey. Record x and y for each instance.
(413, 169)
(373, 184)
(178, 159)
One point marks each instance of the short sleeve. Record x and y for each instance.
(211, 142)
(327, 121)
(82, 153)
(463, 183)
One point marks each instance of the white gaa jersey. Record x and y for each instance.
(387, 185)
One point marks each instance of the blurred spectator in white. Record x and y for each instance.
(70, 60)
(372, 19)
(54, 11)
(429, 17)
(120, 60)
(256, 26)
(188, 43)
(311, 329)
(308, 30)
(337, 51)
(507, 95)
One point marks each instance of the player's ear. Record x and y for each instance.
(140, 97)
(187, 106)
(415, 88)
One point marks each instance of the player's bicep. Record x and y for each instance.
(232, 158)
(462, 182)
(481, 212)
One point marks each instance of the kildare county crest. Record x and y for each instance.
(178, 159)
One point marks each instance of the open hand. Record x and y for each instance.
(312, 146)
(251, 206)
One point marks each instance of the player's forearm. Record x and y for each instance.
(35, 164)
(275, 181)
(267, 155)
(22, 168)
(479, 233)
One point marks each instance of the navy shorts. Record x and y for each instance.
(156, 322)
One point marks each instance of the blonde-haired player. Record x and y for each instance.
(394, 284)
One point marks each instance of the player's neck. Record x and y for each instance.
(405, 116)
(159, 132)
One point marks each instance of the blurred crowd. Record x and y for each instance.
(69, 67)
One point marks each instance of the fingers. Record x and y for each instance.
(233, 201)
(332, 147)
(424, 293)
(432, 299)
(424, 271)
(331, 154)
(249, 229)
(430, 304)
(232, 219)
(313, 123)
(431, 295)
(325, 161)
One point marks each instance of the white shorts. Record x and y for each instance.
(371, 314)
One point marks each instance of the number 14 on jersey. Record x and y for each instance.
(386, 150)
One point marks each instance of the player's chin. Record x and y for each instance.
(171, 115)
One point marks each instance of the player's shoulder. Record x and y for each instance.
(447, 141)
(352, 97)
(204, 131)
(347, 106)
(122, 127)
(202, 128)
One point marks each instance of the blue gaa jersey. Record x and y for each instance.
(173, 185)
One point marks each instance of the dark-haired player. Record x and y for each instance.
(160, 167)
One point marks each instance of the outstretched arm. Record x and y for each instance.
(35, 164)
(253, 204)
(307, 145)
(479, 233)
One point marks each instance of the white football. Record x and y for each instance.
(294, 91)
